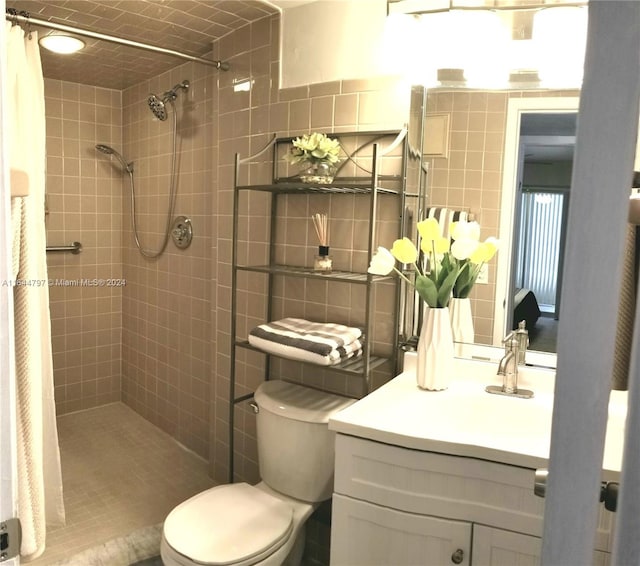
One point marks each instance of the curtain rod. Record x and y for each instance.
(25, 18)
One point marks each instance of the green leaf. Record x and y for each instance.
(463, 280)
(463, 290)
(427, 290)
(444, 294)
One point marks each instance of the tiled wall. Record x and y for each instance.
(167, 341)
(84, 201)
(470, 177)
(245, 124)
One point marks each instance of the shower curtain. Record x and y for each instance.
(39, 475)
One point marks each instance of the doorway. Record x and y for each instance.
(538, 159)
(547, 142)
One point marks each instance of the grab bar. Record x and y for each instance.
(74, 248)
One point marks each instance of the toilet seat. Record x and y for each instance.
(230, 524)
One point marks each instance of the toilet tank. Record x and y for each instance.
(295, 445)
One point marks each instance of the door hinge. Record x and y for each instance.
(10, 539)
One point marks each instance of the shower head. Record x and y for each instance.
(158, 104)
(158, 107)
(107, 150)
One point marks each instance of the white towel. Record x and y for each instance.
(295, 338)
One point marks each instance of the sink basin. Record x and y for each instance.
(466, 420)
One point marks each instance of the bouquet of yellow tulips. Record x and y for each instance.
(451, 269)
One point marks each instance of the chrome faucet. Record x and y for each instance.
(508, 365)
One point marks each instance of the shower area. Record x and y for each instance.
(132, 315)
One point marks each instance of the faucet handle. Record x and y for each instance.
(513, 345)
(507, 338)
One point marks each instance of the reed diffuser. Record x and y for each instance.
(322, 262)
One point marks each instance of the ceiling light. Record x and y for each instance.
(63, 44)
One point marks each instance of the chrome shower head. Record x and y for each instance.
(158, 107)
(108, 150)
(158, 104)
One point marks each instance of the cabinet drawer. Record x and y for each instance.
(363, 534)
(440, 485)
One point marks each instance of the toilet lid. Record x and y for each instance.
(229, 524)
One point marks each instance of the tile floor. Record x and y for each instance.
(120, 473)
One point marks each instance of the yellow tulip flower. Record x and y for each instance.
(404, 251)
(429, 230)
(485, 251)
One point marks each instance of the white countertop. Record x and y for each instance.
(464, 420)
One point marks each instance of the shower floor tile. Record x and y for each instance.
(119, 473)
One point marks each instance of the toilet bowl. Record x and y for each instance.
(237, 524)
(263, 525)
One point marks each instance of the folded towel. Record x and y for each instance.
(299, 339)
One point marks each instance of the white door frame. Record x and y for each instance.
(8, 470)
(511, 172)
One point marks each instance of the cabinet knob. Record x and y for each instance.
(458, 556)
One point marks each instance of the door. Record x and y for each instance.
(372, 535)
(497, 547)
(8, 479)
(601, 184)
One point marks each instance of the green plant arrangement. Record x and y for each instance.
(314, 148)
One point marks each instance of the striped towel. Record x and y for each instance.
(298, 339)
(445, 216)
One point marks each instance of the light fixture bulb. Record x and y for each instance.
(559, 34)
(62, 44)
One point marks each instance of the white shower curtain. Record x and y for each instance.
(39, 475)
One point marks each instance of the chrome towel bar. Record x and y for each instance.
(74, 248)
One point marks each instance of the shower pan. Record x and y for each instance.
(158, 106)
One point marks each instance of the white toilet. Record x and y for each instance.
(242, 525)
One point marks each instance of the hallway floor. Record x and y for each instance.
(120, 473)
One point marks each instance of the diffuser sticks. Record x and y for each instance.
(322, 262)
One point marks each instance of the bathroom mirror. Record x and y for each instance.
(503, 153)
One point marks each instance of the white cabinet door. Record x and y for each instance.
(364, 534)
(496, 547)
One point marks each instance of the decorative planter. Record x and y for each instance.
(434, 366)
(461, 326)
(318, 174)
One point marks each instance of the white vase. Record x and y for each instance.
(435, 350)
(461, 326)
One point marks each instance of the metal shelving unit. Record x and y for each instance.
(372, 185)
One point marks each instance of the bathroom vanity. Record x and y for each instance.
(447, 477)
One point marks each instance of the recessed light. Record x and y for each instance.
(63, 44)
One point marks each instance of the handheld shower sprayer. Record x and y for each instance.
(157, 104)
(107, 150)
